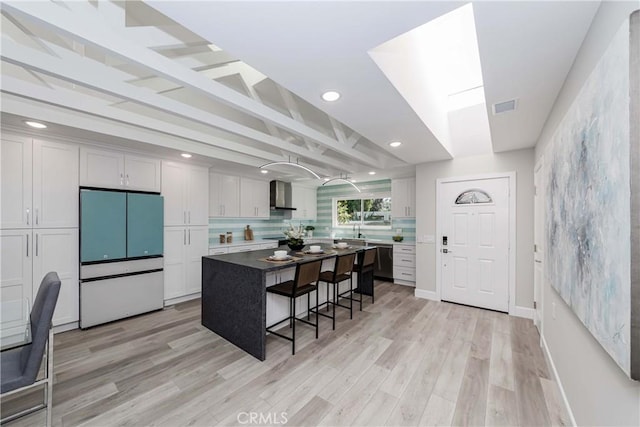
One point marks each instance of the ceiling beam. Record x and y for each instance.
(88, 28)
(77, 119)
(88, 73)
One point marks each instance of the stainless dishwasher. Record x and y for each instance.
(384, 262)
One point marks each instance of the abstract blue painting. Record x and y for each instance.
(588, 206)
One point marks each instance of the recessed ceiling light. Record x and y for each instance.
(395, 144)
(186, 155)
(326, 179)
(353, 180)
(372, 173)
(264, 171)
(330, 96)
(36, 125)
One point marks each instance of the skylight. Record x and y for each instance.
(436, 68)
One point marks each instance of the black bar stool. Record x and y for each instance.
(365, 268)
(342, 271)
(304, 282)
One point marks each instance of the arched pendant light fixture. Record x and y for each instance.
(345, 179)
(290, 163)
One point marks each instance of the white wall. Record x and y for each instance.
(598, 391)
(520, 161)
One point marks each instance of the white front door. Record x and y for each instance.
(474, 242)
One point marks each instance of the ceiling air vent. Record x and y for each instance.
(504, 107)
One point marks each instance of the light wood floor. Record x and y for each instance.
(402, 361)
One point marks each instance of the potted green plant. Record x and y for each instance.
(309, 229)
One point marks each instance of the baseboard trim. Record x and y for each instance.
(524, 312)
(424, 294)
(178, 300)
(404, 283)
(65, 327)
(547, 355)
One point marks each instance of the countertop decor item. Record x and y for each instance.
(309, 229)
(295, 237)
(397, 238)
(248, 233)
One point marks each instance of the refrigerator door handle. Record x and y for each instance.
(184, 237)
(27, 245)
(189, 236)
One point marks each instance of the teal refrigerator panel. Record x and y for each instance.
(103, 225)
(145, 222)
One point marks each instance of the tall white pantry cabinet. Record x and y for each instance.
(38, 224)
(185, 189)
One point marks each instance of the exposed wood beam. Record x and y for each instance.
(77, 102)
(292, 107)
(34, 108)
(353, 139)
(88, 73)
(89, 28)
(337, 129)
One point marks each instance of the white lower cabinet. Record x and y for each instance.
(27, 256)
(404, 264)
(16, 268)
(184, 248)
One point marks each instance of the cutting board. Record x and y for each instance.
(248, 233)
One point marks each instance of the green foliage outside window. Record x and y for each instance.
(370, 211)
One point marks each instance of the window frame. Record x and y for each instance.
(361, 197)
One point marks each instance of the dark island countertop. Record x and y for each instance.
(234, 293)
(252, 259)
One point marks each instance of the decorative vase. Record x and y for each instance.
(296, 245)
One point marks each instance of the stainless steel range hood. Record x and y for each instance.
(280, 196)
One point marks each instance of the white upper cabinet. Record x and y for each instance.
(403, 198)
(254, 198)
(141, 173)
(224, 195)
(198, 196)
(114, 169)
(185, 189)
(305, 201)
(16, 182)
(39, 184)
(55, 184)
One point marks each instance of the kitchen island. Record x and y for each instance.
(234, 296)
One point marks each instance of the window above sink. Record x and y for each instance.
(367, 211)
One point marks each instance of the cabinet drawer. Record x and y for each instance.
(404, 260)
(273, 245)
(245, 248)
(406, 274)
(218, 251)
(404, 249)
